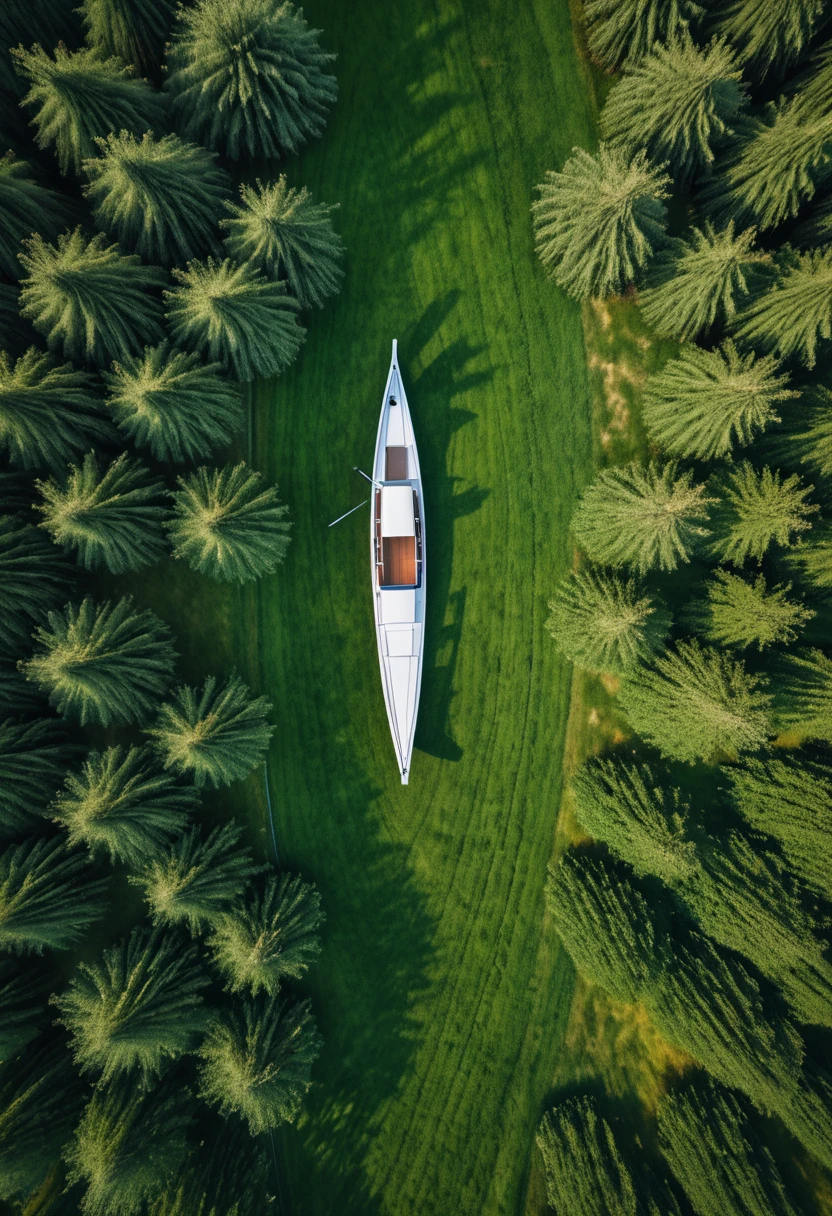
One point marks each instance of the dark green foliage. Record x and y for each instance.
(676, 102)
(173, 404)
(39, 1102)
(640, 820)
(599, 220)
(228, 1176)
(227, 525)
(52, 19)
(233, 315)
(284, 233)
(49, 412)
(102, 663)
(269, 935)
(25, 207)
(14, 331)
(161, 198)
(770, 35)
(24, 991)
(78, 96)
(47, 897)
(110, 518)
(797, 312)
(704, 402)
(127, 1146)
(134, 31)
(703, 279)
(16, 695)
(213, 735)
(34, 757)
(603, 623)
(804, 686)
(33, 577)
(89, 300)
(248, 77)
(698, 703)
(622, 30)
(743, 613)
(810, 436)
(257, 1059)
(758, 508)
(121, 805)
(195, 882)
(791, 801)
(136, 1008)
(813, 557)
(807, 1116)
(708, 1138)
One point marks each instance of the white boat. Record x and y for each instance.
(397, 556)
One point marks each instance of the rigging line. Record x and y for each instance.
(269, 804)
(346, 513)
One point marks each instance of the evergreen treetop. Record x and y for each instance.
(745, 613)
(33, 578)
(603, 623)
(34, 757)
(47, 898)
(759, 508)
(770, 36)
(796, 313)
(25, 207)
(134, 31)
(622, 31)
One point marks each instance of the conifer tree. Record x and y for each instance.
(49, 412)
(284, 233)
(104, 663)
(25, 207)
(708, 1139)
(256, 1061)
(795, 314)
(234, 316)
(87, 299)
(599, 220)
(136, 1008)
(249, 77)
(268, 935)
(676, 102)
(697, 703)
(127, 1146)
(197, 879)
(24, 993)
(134, 31)
(34, 757)
(603, 623)
(804, 687)
(160, 198)
(759, 508)
(620, 31)
(227, 525)
(703, 279)
(174, 405)
(744, 613)
(636, 816)
(33, 577)
(78, 95)
(39, 1102)
(47, 898)
(119, 804)
(645, 516)
(213, 735)
(705, 402)
(813, 558)
(810, 435)
(770, 36)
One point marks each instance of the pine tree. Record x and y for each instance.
(89, 300)
(214, 735)
(25, 207)
(234, 316)
(119, 804)
(196, 881)
(33, 577)
(248, 77)
(283, 232)
(606, 624)
(620, 31)
(51, 18)
(804, 688)
(705, 401)
(49, 412)
(257, 1059)
(127, 1145)
(599, 220)
(797, 312)
(227, 525)
(676, 102)
(813, 557)
(636, 816)
(703, 279)
(173, 404)
(697, 703)
(47, 898)
(791, 801)
(102, 663)
(810, 435)
(110, 518)
(160, 198)
(708, 1139)
(78, 95)
(644, 516)
(136, 1008)
(134, 31)
(24, 992)
(759, 508)
(770, 36)
(745, 613)
(39, 1102)
(269, 935)
(34, 757)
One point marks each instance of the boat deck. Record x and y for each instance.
(399, 557)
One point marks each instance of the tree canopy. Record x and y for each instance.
(620, 31)
(25, 207)
(794, 315)
(47, 898)
(39, 1102)
(34, 757)
(743, 613)
(134, 31)
(33, 578)
(24, 992)
(605, 623)
(770, 37)
(758, 508)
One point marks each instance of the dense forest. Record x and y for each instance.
(145, 277)
(700, 885)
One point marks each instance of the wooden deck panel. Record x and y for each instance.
(399, 561)
(396, 464)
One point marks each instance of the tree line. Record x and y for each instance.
(140, 290)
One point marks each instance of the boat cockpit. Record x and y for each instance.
(398, 534)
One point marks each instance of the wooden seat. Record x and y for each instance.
(396, 464)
